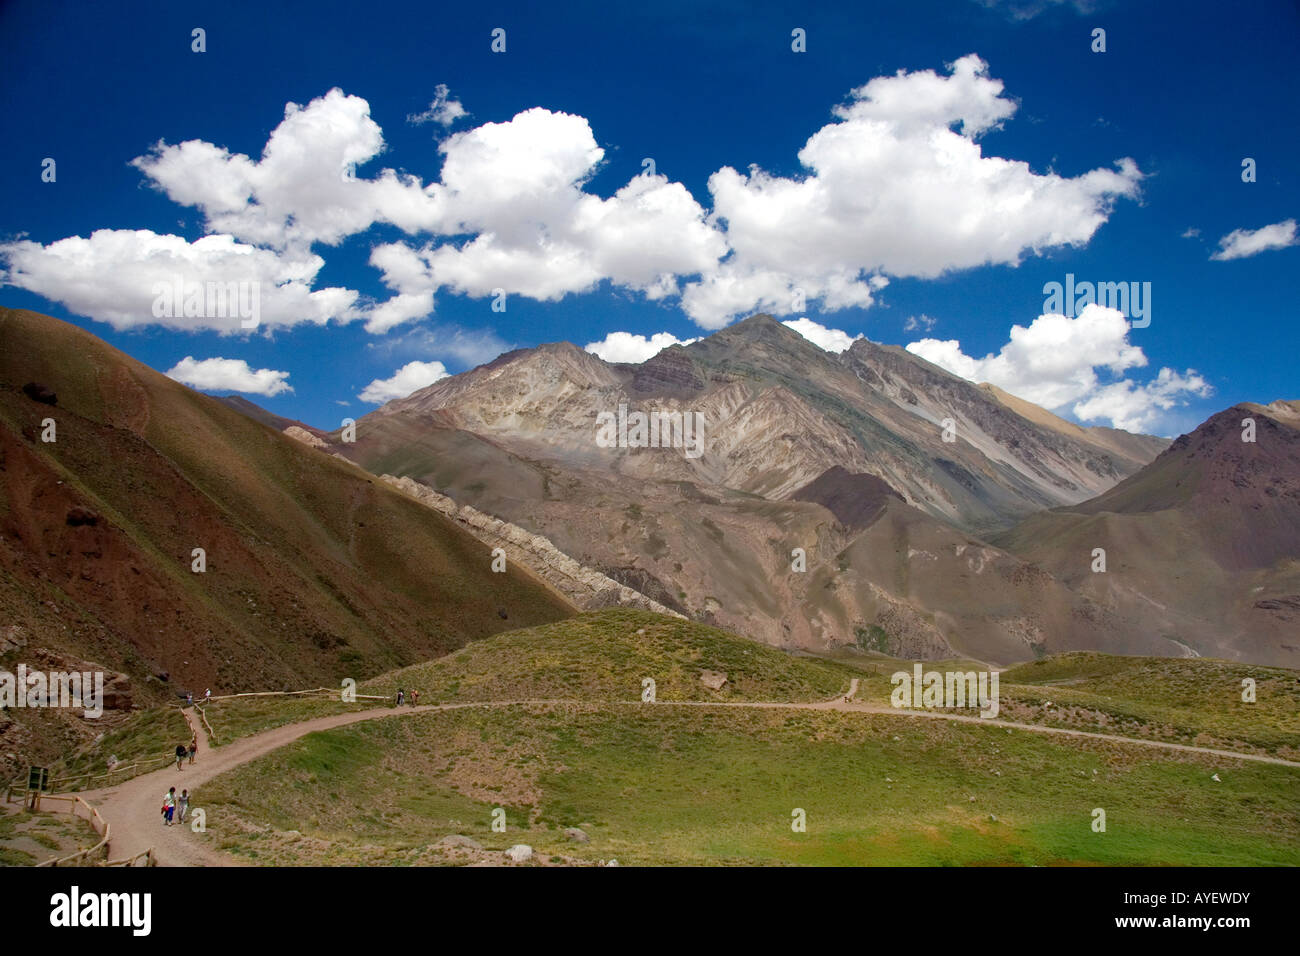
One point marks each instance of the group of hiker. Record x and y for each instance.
(175, 807)
(182, 751)
(401, 697)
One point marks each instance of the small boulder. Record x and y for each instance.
(713, 680)
(577, 836)
(117, 693)
(457, 840)
(519, 853)
(11, 638)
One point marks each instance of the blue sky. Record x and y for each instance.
(932, 210)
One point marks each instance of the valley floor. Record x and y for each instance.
(878, 786)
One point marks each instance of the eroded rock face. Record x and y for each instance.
(301, 434)
(586, 587)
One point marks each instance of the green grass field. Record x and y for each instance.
(238, 717)
(1183, 700)
(1194, 701)
(663, 783)
(658, 784)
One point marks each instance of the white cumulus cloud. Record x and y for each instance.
(517, 189)
(831, 340)
(633, 349)
(1054, 363)
(304, 189)
(1242, 243)
(117, 276)
(1137, 407)
(411, 377)
(229, 375)
(898, 186)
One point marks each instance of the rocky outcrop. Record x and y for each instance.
(585, 587)
(306, 437)
(713, 680)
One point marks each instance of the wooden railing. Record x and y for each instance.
(147, 856)
(201, 707)
(121, 772)
(212, 734)
(97, 823)
(332, 691)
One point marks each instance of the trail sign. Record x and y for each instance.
(38, 778)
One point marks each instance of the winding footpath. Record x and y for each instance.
(132, 807)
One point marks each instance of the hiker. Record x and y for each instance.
(182, 805)
(415, 698)
(194, 747)
(189, 698)
(169, 806)
(401, 695)
(180, 756)
(207, 696)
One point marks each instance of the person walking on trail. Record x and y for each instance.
(207, 696)
(189, 698)
(401, 695)
(169, 806)
(182, 805)
(180, 756)
(415, 698)
(194, 747)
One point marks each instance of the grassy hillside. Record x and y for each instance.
(238, 717)
(663, 785)
(604, 655)
(1186, 700)
(672, 784)
(1193, 701)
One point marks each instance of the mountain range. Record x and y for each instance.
(865, 499)
(841, 455)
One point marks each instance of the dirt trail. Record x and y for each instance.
(132, 808)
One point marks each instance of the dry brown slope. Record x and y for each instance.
(1202, 546)
(315, 570)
